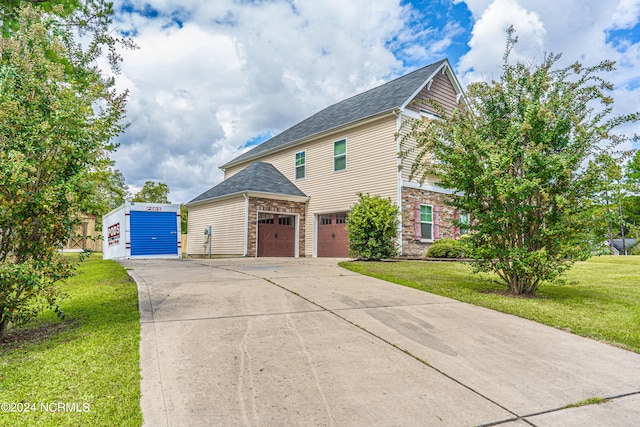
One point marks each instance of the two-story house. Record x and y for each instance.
(290, 195)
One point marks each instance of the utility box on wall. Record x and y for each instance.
(142, 230)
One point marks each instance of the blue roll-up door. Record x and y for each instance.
(153, 233)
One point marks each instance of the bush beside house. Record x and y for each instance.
(448, 248)
(372, 227)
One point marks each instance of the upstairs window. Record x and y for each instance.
(301, 163)
(340, 155)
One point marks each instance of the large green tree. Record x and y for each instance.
(153, 192)
(110, 191)
(517, 156)
(58, 115)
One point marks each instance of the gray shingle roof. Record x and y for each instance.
(386, 97)
(629, 243)
(258, 177)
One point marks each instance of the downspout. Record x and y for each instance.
(398, 114)
(246, 224)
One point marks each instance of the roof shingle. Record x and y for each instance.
(386, 97)
(258, 177)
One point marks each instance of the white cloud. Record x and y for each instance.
(575, 28)
(210, 76)
(488, 39)
(627, 14)
(171, 107)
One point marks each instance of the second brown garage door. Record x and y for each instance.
(276, 235)
(332, 235)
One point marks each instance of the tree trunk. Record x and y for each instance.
(609, 227)
(4, 326)
(519, 286)
(624, 243)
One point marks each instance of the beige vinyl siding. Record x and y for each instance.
(371, 168)
(227, 221)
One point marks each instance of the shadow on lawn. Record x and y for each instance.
(29, 335)
(92, 315)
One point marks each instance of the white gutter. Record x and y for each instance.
(264, 195)
(398, 114)
(428, 187)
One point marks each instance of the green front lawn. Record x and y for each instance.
(599, 298)
(82, 371)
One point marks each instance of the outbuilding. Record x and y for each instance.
(142, 230)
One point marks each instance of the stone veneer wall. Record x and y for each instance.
(278, 206)
(411, 196)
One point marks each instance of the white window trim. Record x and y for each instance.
(346, 152)
(429, 115)
(431, 206)
(304, 165)
(467, 223)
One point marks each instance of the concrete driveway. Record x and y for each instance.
(304, 342)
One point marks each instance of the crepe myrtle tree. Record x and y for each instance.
(519, 157)
(58, 115)
(372, 227)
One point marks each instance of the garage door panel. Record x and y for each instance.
(276, 235)
(332, 235)
(153, 233)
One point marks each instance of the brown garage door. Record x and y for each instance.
(332, 235)
(276, 235)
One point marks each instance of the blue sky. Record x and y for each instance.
(212, 78)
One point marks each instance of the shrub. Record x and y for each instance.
(372, 227)
(448, 248)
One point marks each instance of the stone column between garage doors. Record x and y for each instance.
(257, 204)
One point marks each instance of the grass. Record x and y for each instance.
(599, 298)
(83, 370)
(590, 401)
